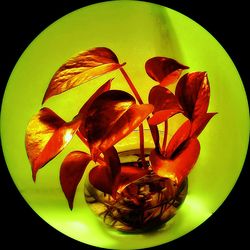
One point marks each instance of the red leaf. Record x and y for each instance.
(193, 93)
(162, 116)
(178, 138)
(128, 175)
(164, 70)
(84, 110)
(46, 136)
(105, 87)
(129, 121)
(104, 112)
(165, 104)
(104, 177)
(71, 172)
(155, 134)
(80, 69)
(178, 167)
(101, 178)
(112, 160)
(200, 123)
(111, 117)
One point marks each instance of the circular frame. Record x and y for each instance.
(47, 52)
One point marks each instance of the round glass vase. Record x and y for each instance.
(144, 205)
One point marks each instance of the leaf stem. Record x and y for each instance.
(164, 143)
(142, 150)
(83, 139)
(155, 135)
(131, 85)
(99, 159)
(138, 98)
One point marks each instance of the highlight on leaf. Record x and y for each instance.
(180, 164)
(104, 113)
(46, 135)
(164, 70)
(82, 68)
(71, 172)
(129, 121)
(111, 117)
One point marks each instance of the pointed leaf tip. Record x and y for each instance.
(178, 138)
(200, 123)
(193, 93)
(46, 136)
(71, 172)
(164, 70)
(80, 69)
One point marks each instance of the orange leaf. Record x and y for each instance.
(164, 70)
(80, 69)
(178, 167)
(178, 138)
(162, 115)
(46, 135)
(71, 172)
(171, 78)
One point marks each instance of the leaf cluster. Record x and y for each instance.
(110, 115)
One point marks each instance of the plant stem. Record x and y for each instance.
(142, 151)
(100, 160)
(164, 143)
(131, 85)
(84, 140)
(153, 129)
(141, 131)
(155, 135)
